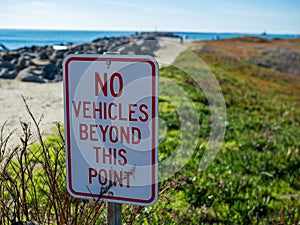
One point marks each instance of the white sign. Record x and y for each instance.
(111, 127)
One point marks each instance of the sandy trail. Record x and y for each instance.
(46, 100)
(169, 49)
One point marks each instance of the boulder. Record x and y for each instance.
(33, 78)
(37, 72)
(43, 55)
(24, 73)
(10, 56)
(60, 54)
(3, 47)
(8, 74)
(7, 65)
(30, 55)
(3, 70)
(50, 71)
(21, 64)
(40, 62)
(59, 63)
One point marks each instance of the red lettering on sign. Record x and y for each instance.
(76, 109)
(102, 177)
(142, 108)
(93, 131)
(121, 113)
(103, 85)
(83, 132)
(112, 133)
(88, 132)
(106, 155)
(132, 112)
(114, 91)
(127, 178)
(97, 153)
(122, 153)
(92, 173)
(103, 131)
(110, 111)
(110, 156)
(136, 135)
(98, 110)
(109, 177)
(85, 105)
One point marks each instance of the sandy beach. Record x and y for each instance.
(46, 100)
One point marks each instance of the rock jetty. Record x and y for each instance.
(43, 64)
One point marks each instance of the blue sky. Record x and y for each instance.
(250, 16)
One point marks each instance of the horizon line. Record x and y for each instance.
(149, 30)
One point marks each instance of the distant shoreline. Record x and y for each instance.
(14, 39)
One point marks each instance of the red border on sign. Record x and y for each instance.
(67, 102)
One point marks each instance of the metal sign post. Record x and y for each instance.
(114, 213)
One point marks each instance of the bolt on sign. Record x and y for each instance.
(111, 127)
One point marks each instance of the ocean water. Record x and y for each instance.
(214, 36)
(14, 39)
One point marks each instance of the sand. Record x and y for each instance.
(169, 49)
(46, 100)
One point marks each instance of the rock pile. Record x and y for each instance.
(44, 64)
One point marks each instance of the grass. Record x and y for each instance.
(253, 180)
